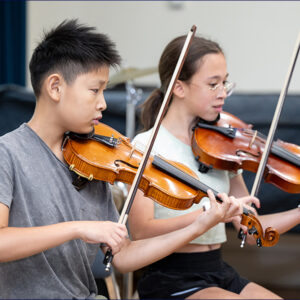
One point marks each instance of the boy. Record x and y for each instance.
(49, 231)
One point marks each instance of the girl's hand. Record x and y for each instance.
(248, 200)
(231, 206)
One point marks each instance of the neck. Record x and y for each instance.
(44, 125)
(179, 122)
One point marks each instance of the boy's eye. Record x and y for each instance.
(95, 90)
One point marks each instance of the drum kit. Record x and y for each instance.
(133, 95)
(129, 74)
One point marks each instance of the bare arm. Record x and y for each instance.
(137, 254)
(142, 223)
(145, 251)
(17, 243)
(282, 221)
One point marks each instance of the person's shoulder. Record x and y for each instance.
(11, 139)
(142, 137)
(12, 134)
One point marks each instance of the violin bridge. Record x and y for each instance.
(253, 139)
(111, 139)
(131, 151)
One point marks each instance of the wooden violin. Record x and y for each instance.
(107, 155)
(232, 144)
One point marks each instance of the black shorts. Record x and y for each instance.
(183, 274)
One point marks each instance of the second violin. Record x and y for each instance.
(232, 144)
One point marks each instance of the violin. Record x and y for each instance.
(231, 144)
(109, 156)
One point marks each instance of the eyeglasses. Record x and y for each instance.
(227, 86)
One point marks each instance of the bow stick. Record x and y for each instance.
(138, 176)
(266, 152)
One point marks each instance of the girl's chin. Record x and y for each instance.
(211, 117)
(85, 129)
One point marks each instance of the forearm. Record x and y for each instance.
(138, 254)
(143, 252)
(282, 221)
(17, 243)
(155, 227)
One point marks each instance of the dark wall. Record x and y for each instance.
(17, 105)
(13, 42)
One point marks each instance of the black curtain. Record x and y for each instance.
(13, 42)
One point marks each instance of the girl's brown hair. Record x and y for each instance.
(167, 63)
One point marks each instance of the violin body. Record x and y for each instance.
(243, 148)
(94, 160)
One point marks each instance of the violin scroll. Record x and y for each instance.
(267, 239)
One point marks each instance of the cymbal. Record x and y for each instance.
(130, 74)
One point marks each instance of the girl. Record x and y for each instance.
(196, 270)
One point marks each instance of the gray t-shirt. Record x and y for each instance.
(37, 187)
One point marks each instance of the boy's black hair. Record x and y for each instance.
(71, 49)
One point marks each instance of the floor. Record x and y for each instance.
(276, 268)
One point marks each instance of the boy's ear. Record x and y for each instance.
(179, 89)
(53, 84)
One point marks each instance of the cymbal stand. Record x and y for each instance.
(133, 97)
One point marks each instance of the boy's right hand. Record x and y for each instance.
(112, 234)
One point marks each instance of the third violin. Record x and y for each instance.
(232, 144)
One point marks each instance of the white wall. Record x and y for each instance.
(258, 37)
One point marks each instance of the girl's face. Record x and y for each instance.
(205, 91)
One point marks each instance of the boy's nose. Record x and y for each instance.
(101, 104)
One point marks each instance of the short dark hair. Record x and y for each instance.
(71, 49)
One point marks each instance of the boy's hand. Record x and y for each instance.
(112, 234)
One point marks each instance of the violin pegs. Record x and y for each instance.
(258, 242)
(242, 236)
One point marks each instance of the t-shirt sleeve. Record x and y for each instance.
(140, 141)
(6, 177)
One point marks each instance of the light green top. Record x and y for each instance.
(171, 148)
